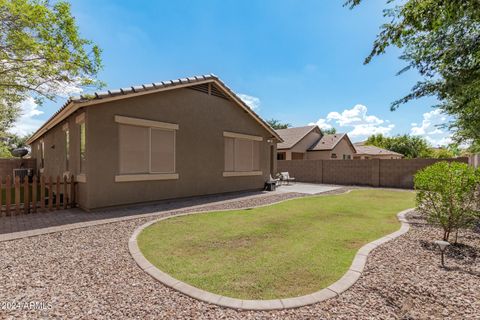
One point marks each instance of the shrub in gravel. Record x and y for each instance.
(448, 194)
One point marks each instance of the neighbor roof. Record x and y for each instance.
(75, 103)
(329, 141)
(372, 150)
(291, 136)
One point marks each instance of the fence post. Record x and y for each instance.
(42, 193)
(72, 191)
(65, 192)
(50, 194)
(17, 195)
(26, 197)
(34, 194)
(8, 195)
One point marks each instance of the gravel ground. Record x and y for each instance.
(88, 273)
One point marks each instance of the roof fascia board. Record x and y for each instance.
(77, 105)
(62, 115)
(74, 106)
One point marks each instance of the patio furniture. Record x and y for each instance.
(285, 177)
(271, 183)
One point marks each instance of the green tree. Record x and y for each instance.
(10, 141)
(41, 54)
(277, 124)
(446, 194)
(329, 131)
(441, 40)
(409, 146)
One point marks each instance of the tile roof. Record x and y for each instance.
(327, 142)
(131, 91)
(143, 87)
(291, 136)
(372, 150)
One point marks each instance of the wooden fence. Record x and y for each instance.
(35, 195)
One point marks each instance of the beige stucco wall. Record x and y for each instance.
(343, 147)
(55, 162)
(202, 119)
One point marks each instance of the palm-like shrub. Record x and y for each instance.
(447, 194)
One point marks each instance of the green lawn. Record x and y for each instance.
(288, 249)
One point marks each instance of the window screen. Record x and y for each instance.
(134, 149)
(146, 150)
(229, 154)
(162, 151)
(241, 155)
(256, 156)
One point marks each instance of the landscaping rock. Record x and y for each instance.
(89, 273)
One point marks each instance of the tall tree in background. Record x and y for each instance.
(409, 146)
(277, 124)
(42, 54)
(440, 39)
(329, 131)
(9, 141)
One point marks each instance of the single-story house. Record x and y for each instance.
(173, 139)
(309, 143)
(373, 152)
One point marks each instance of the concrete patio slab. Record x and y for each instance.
(306, 188)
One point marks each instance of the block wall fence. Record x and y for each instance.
(7, 165)
(375, 172)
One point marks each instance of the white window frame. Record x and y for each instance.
(155, 125)
(235, 135)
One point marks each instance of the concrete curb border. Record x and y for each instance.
(335, 289)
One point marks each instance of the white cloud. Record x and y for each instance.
(429, 128)
(28, 121)
(63, 89)
(251, 101)
(322, 123)
(356, 122)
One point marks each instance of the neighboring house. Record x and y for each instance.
(372, 152)
(166, 140)
(335, 146)
(296, 142)
(302, 143)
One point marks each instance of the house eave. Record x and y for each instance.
(71, 106)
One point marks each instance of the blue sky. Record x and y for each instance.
(299, 62)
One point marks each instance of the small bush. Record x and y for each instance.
(447, 195)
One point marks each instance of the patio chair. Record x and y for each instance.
(271, 179)
(285, 176)
(271, 184)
